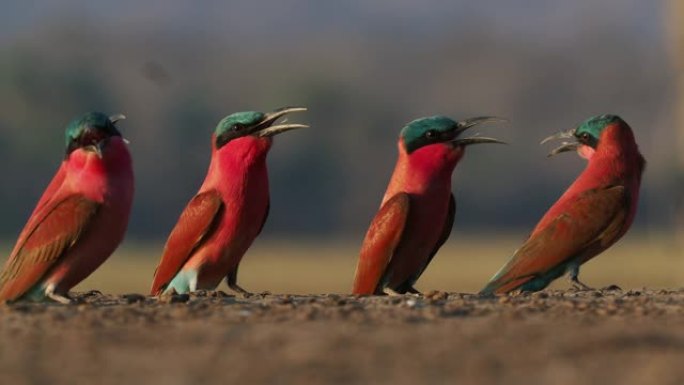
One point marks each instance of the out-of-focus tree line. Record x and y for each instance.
(363, 70)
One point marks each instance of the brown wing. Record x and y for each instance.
(588, 225)
(194, 226)
(381, 240)
(52, 230)
(45, 199)
(446, 232)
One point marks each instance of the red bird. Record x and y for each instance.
(417, 212)
(80, 219)
(589, 217)
(223, 219)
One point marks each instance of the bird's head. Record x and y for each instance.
(92, 133)
(588, 136)
(255, 124)
(443, 131)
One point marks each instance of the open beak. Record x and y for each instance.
(565, 146)
(267, 128)
(472, 122)
(116, 118)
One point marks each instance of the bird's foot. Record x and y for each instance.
(580, 286)
(63, 299)
(236, 288)
(92, 293)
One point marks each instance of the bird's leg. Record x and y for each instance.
(192, 284)
(574, 278)
(579, 285)
(236, 288)
(231, 280)
(63, 299)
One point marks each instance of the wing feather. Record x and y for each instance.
(195, 225)
(592, 222)
(51, 231)
(381, 240)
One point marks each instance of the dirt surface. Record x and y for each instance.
(552, 337)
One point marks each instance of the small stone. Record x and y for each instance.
(134, 298)
(180, 298)
(436, 295)
(612, 288)
(173, 297)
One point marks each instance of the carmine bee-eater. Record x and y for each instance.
(227, 214)
(81, 217)
(417, 211)
(589, 217)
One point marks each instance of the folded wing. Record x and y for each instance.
(51, 231)
(195, 225)
(381, 240)
(590, 223)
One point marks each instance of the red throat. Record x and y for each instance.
(437, 159)
(236, 157)
(246, 149)
(426, 168)
(90, 173)
(585, 152)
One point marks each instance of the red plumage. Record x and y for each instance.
(78, 222)
(595, 212)
(414, 220)
(223, 219)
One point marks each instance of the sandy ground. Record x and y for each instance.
(552, 337)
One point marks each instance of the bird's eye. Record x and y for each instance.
(431, 134)
(237, 127)
(584, 137)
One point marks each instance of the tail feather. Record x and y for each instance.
(498, 286)
(495, 282)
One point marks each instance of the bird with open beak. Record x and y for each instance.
(227, 214)
(592, 214)
(81, 217)
(417, 211)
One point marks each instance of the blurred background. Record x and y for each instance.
(363, 69)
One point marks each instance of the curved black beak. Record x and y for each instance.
(267, 128)
(472, 122)
(565, 146)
